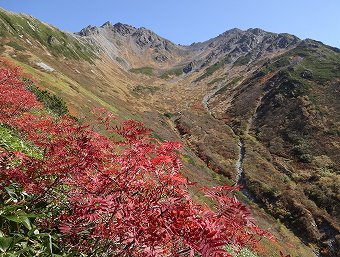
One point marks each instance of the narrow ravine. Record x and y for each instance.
(239, 163)
(240, 178)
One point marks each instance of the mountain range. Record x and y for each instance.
(253, 108)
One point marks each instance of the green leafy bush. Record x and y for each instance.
(10, 141)
(52, 102)
(19, 236)
(210, 70)
(143, 70)
(173, 72)
(16, 46)
(244, 252)
(243, 60)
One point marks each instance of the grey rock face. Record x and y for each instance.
(123, 29)
(189, 67)
(119, 39)
(53, 41)
(107, 24)
(89, 30)
(253, 43)
(306, 74)
(230, 45)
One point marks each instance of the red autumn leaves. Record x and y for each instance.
(123, 198)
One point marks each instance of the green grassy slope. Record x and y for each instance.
(22, 29)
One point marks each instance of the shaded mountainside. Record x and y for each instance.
(275, 93)
(288, 107)
(242, 47)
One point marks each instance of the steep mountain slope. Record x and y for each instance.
(242, 47)
(251, 107)
(132, 47)
(286, 110)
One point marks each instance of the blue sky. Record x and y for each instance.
(188, 21)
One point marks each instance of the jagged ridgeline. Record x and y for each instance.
(249, 106)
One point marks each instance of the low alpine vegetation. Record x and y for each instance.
(85, 194)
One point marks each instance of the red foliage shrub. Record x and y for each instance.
(181, 127)
(112, 198)
(14, 98)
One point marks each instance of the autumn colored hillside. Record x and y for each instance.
(250, 108)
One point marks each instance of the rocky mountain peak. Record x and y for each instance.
(242, 46)
(119, 28)
(123, 29)
(232, 31)
(107, 24)
(257, 31)
(89, 30)
(120, 38)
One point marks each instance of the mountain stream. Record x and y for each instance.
(240, 178)
(239, 163)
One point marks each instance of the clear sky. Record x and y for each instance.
(188, 21)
